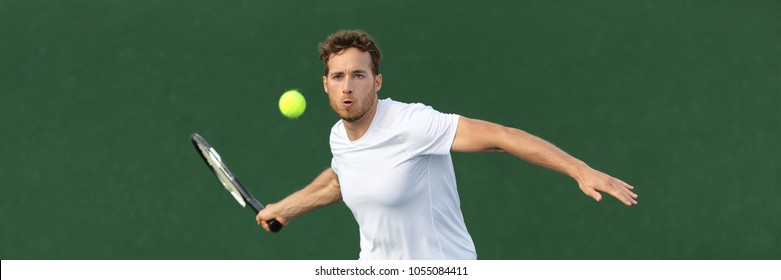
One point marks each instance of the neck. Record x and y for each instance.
(357, 128)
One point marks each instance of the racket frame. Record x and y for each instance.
(206, 150)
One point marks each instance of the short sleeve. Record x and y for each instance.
(333, 166)
(428, 131)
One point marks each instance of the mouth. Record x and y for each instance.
(347, 103)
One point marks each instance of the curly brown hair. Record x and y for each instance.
(345, 39)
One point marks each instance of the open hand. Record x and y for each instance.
(592, 182)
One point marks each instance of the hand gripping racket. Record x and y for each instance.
(228, 180)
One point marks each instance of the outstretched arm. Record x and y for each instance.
(323, 191)
(480, 136)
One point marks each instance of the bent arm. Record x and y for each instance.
(324, 190)
(480, 136)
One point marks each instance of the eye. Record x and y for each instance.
(359, 75)
(337, 77)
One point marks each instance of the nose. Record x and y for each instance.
(347, 86)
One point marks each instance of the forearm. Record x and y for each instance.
(541, 152)
(538, 151)
(324, 190)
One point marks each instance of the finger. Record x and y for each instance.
(265, 226)
(622, 195)
(594, 194)
(619, 187)
(628, 188)
(259, 219)
(625, 189)
(628, 199)
(261, 222)
(634, 195)
(624, 184)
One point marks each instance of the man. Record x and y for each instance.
(392, 167)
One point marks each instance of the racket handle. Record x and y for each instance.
(274, 225)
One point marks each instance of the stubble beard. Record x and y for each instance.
(356, 113)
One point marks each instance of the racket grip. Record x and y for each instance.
(274, 225)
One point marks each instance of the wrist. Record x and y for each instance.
(579, 168)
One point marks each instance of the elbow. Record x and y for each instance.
(507, 137)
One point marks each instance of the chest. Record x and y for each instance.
(382, 174)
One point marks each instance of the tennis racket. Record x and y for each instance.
(228, 180)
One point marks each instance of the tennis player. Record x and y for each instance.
(392, 167)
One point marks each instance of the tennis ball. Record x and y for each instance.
(292, 104)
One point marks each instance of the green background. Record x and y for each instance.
(678, 98)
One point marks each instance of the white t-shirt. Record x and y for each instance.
(399, 183)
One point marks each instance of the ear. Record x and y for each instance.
(377, 82)
(325, 84)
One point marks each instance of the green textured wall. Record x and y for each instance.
(679, 98)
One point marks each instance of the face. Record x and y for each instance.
(351, 86)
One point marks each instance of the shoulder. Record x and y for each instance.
(390, 106)
(405, 111)
(417, 114)
(407, 115)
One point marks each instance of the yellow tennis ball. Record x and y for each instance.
(292, 104)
